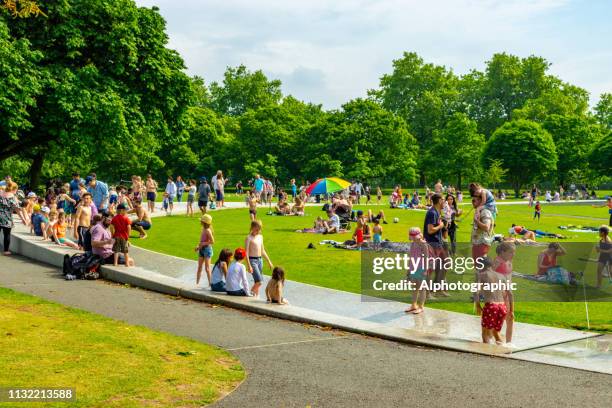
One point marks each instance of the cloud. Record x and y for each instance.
(332, 51)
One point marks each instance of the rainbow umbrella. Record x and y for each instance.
(327, 185)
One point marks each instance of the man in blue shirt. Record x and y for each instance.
(432, 232)
(98, 191)
(74, 186)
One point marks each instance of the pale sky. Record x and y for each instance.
(332, 51)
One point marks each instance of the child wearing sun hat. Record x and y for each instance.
(418, 271)
(205, 248)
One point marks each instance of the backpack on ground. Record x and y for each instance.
(82, 266)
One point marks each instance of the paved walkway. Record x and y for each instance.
(296, 365)
(334, 308)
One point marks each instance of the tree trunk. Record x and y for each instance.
(36, 169)
(458, 186)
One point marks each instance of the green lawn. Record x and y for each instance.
(110, 363)
(339, 269)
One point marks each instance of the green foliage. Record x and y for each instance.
(424, 95)
(600, 157)
(603, 110)
(574, 138)
(455, 150)
(496, 173)
(525, 149)
(243, 90)
(109, 93)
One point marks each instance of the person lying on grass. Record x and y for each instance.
(274, 288)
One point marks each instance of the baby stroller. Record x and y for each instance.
(345, 217)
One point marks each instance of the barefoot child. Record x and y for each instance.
(219, 272)
(377, 231)
(418, 272)
(503, 264)
(121, 227)
(255, 251)
(204, 248)
(237, 283)
(274, 289)
(252, 201)
(494, 311)
(537, 211)
(59, 232)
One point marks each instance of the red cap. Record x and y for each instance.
(239, 253)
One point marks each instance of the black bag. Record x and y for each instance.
(82, 266)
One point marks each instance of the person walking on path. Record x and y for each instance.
(151, 187)
(180, 188)
(170, 194)
(203, 195)
(220, 189)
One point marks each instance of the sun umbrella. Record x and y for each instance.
(327, 185)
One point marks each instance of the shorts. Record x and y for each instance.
(151, 196)
(202, 204)
(257, 264)
(418, 275)
(69, 208)
(605, 259)
(190, 198)
(206, 252)
(62, 240)
(219, 195)
(170, 199)
(145, 225)
(253, 212)
(377, 238)
(494, 315)
(111, 260)
(121, 245)
(113, 199)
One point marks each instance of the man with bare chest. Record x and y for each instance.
(82, 220)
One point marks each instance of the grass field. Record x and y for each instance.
(47, 344)
(340, 269)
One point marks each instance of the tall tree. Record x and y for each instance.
(600, 157)
(603, 110)
(525, 149)
(574, 138)
(508, 82)
(242, 90)
(423, 94)
(369, 141)
(112, 93)
(455, 150)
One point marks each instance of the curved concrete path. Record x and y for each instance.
(298, 365)
(316, 305)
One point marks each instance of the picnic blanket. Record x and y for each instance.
(387, 246)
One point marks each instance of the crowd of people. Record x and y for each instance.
(89, 215)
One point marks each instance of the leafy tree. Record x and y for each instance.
(600, 157)
(455, 150)
(243, 90)
(574, 137)
(603, 110)
(564, 100)
(369, 141)
(22, 8)
(525, 149)
(495, 174)
(508, 82)
(112, 95)
(424, 95)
